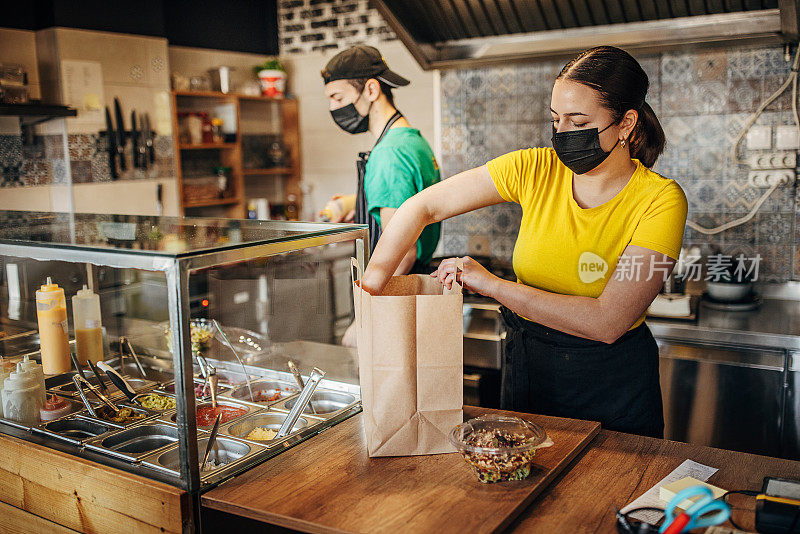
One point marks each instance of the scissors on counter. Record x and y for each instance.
(704, 512)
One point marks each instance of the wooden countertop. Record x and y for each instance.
(616, 468)
(328, 484)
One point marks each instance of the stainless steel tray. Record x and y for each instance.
(269, 420)
(68, 390)
(155, 392)
(148, 415)
(249, 408)
(169, 387)
(72, 429)
(264, 387)
(136, 442)
(232, 452)
(327, 403)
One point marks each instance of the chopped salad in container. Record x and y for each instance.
(499, 447)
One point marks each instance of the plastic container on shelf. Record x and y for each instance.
(499, 448)
(21, 397)
(51, 312)
(87, 320)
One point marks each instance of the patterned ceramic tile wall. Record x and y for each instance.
(43, 162)
(39, 163)
(702, 99)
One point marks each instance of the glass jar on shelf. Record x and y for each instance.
(276, 153)
(221, 174)
(292, 211)
(216, 130)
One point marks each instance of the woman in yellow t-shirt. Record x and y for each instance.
(600, 232)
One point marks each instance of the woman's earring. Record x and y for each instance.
(622, 143)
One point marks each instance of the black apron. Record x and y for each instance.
(362, 215)
(550, 372)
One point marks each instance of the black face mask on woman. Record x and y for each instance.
(350, 120)
(580, 150)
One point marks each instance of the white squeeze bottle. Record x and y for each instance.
(37, 373)
(88, 325)
(51, 311)
(21, 399)
(4, 373)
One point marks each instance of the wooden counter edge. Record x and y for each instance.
(85, 496)
(278, 520)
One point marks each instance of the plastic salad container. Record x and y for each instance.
(499, 447)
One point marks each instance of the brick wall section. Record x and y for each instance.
(328, 25)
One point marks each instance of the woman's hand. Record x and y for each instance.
(474, 276)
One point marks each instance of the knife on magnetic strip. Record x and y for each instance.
(112, 146)
(120, 133)
(134, 141)
(149, 139)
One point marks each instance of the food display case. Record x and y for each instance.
(182, 299)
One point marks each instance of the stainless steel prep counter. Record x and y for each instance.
(775, 325)
(732, 379)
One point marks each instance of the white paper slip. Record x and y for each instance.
(650, 497)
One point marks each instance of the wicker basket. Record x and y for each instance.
(200, 192)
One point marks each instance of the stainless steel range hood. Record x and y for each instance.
(449, 33)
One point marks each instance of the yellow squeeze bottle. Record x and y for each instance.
(51, 312)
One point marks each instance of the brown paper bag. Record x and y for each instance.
(411, 365)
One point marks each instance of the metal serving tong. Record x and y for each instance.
(80, 378)
(211, 439)
(209, 373)
(86, 402)
(236, 354)
(80, 381)
(299, 379)
(124, 342)
(305, 396)
(100, 381)
(120, 383)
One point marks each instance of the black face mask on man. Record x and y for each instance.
(580, 150)
(350, 120)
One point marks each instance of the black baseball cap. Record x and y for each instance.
(361, 61)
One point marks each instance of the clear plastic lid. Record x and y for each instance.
(489, 434)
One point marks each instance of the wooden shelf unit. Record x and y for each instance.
(231, 154)
(267, 172)
(206, 146)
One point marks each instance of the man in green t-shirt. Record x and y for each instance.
(359, 84)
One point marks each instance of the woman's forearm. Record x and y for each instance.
(466, 191)
(573, 314)
(401, 233)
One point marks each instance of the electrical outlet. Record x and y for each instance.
(759, 138)
(787, 138)
(772, 160)
(767, 178)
